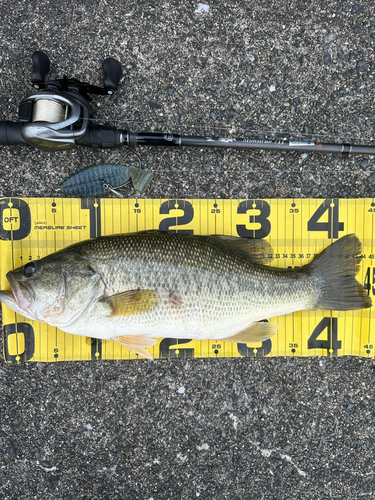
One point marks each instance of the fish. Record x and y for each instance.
(134, 288)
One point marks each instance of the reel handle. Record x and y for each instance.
(112, 74)
(41, 66)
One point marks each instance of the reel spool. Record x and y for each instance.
(48, 110)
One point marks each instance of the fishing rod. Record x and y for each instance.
(58, 116)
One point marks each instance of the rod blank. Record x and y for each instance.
(175, 140)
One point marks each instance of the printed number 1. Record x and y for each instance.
(93, 205)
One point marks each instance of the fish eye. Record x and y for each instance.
(29, 269)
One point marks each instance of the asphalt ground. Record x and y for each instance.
(234, 429)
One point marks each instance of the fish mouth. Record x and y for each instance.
(22, 292)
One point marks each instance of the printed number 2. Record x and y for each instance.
(332, 226)
(167, 207)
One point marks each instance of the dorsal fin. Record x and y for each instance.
(258, 250)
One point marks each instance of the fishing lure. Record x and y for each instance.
(98, 180)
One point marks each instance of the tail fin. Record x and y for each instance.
(335, 269)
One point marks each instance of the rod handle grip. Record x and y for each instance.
(10, 133)
(101, 136)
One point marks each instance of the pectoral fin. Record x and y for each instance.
(136, 344)
(256, 332)
(131, 302)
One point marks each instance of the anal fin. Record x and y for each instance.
(256, 332)
(136, 343)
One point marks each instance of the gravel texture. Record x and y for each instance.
(183, 429)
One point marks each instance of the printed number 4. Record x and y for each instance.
(332, 226)
(331, 343)
(368, 284)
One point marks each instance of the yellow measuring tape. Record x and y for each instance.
(297, 229)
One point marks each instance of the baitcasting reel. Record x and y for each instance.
(57, 116)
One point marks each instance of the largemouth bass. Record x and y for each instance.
(136, 287)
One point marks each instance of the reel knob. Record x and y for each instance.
(41, 65)
(112, 74)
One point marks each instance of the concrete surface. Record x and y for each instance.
(240, 429)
